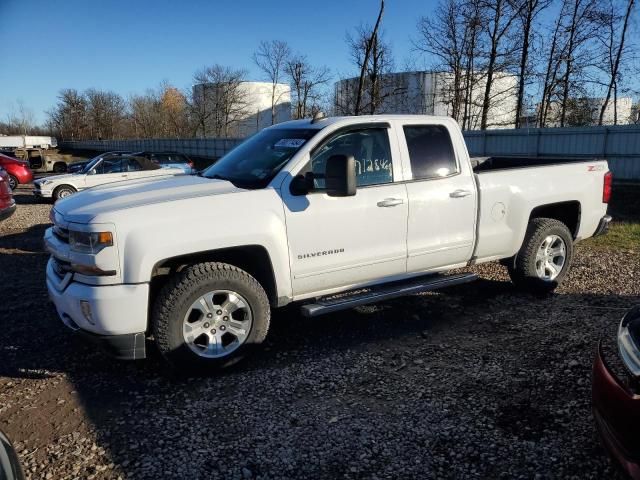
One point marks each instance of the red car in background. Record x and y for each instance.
(7, 203)
(616, 392)
(18, 170)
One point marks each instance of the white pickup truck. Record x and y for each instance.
(365, 207)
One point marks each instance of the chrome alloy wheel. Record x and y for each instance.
(64, 193)
(217, 323)
(551, 257)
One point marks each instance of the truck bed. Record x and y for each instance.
(485, 164)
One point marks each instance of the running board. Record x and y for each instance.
(385, 292)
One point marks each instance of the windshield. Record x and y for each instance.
(92, 163)
(253, 163)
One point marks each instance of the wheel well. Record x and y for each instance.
(566, 212)
(65, 185)
(60, 163)
(253, 259)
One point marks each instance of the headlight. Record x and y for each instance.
(89, 242)
(45, 182)
(629, 340)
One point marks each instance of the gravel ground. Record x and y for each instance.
(479, 381)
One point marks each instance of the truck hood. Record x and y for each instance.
(84, 206)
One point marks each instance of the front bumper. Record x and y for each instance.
(7, 212)
(39, 192)
(118, 313)
(603, 226)
(616, 409)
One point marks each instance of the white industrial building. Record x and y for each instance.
(586, 111)
(248, 109)
(431, 93)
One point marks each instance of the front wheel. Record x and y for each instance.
(13, 182)
(545, 256)
(63, 191)
(210, 316)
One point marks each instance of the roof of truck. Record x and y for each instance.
(318, 124)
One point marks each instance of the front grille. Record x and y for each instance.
(61, 233)
(60, 267)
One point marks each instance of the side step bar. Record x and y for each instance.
(385, 292)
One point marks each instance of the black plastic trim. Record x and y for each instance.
(130, 346)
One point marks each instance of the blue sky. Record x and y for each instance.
(129, 46)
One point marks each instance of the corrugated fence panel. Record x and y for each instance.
(620, 145)
(197, 147)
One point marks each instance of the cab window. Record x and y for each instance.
(370, 149)
(110, 165)
(430, 151)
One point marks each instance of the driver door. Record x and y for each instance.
(338, 242)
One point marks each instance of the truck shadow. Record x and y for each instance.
(475, 368)
(476, 340)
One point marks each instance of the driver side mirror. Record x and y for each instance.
(340, 176)
(301, 184)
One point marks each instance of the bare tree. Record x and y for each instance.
(615, 49)
(446, 36)
(20, 119)
(306, 82)
(528, 12)
(580, 29)
(175, 113)
(105, 113)
(551, 73)
(502, 13)
(272, 57)
(69, 115)
(362, 46)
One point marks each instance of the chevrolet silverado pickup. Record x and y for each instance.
(329, 213)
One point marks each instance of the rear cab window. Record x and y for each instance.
(431, 152)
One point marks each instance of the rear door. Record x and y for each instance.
(442, 198)
(345, 241)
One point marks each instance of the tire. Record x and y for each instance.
(13, 182)
(59, 167)
(63, 191)
(535, 268)
(184, 331)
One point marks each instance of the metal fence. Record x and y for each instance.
(211, 148)
(620, 145)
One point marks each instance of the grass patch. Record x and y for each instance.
(621, 236)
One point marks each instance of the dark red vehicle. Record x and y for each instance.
(616, 392)
(18, 170)
(7, 203)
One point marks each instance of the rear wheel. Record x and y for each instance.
(210, 316)
(545, 257)
(13, 182)
(63, 191)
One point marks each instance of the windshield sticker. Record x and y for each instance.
(289, 143)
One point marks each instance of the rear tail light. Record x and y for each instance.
(190, 163)
(606, 188)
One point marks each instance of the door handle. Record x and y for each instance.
(390, 202)
(460, 193)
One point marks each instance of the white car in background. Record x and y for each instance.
(100, 171)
